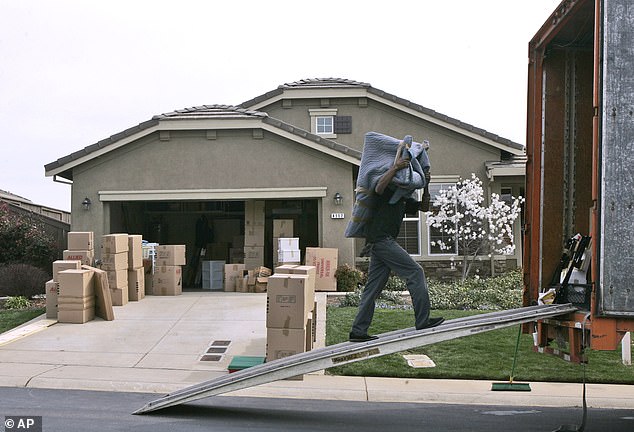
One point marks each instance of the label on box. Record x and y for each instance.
(85, 256)
(325, 262)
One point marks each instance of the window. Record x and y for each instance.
(324, 125)
(409, 235)
(435, 236)
(322, 122)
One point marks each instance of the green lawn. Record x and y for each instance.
(13, 318)
(486, 356)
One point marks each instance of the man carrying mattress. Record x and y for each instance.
(391, 171)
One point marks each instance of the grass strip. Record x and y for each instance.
(485, 356)
(12, 318)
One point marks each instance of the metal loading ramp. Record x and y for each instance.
(349, 352)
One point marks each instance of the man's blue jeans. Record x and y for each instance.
(388, 256)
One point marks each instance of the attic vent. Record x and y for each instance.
(343, 124)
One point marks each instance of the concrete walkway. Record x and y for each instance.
(162, 344)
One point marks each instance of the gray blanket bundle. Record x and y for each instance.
(379, 154)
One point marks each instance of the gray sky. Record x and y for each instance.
(73, 72)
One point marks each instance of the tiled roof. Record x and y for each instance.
(325, 83)
(203, 112)
(334, 83)
(211, 111)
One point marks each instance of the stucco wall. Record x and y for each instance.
(451, 153)
(235, 159)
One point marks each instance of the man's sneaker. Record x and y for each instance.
(361, 338)
(432, 322)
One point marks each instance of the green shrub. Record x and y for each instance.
(22, 280)
(349, 278)
(19, 302)
(24, 240)
(496, 293)
(390, 297)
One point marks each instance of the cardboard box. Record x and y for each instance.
(114, 243)
(119, 296)
(76, 317)
(261, 284)
(135, 251)
(236, 255)
(149, 283)
(254, 235)
(75, 303)
(114, 261)
(283, 228)
(103, 300)
(241, 284)
(117, 278)
(61, 265)
(309, 271)
(286, 342)
(253, 213)
(233, 272)
(170, 255)
(289, 256)
(81, 240)
(167, 280)
(136, 284)
(52, 292)
(325, 262)
(254, 252)
(289, 301)
(76, 283)
(87, 257)
(288, 243)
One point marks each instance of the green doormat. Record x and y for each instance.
(243, 362)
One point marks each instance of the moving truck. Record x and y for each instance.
(580, 173)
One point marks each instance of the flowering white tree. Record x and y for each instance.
(459, 213)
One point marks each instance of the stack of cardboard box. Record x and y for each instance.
(289, 315)
(76, 300)
(168, 271)
(325, 262)
(282, 228)
(114, 260)
(81, 247)
(136, 273)
(253, 234)
(52, 286)
(288, 250)
(233, 273)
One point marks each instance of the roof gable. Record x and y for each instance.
(202, 117)
(340, 87)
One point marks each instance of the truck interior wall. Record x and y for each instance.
(554, 108)
(568, 111)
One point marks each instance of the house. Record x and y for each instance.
(292, 154)
(56, 223)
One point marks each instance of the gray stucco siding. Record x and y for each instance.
(190, 161)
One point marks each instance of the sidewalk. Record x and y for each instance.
(162, 344)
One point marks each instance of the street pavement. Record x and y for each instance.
(162, 344)
(81, 411)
